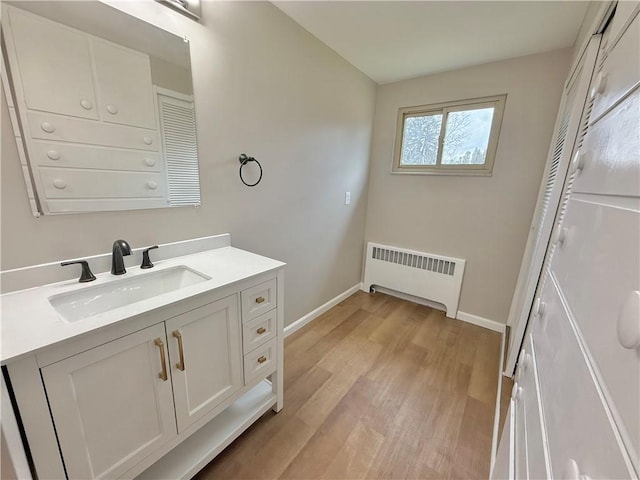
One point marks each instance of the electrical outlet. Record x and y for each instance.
(347, 198)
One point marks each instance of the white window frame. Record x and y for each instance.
(486, 169)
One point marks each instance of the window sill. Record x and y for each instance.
(448, 173)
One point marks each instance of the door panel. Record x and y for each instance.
(596, 266)
(124, 85)
(55, 66)
(209, 369)
(578, 427)
(109, 404)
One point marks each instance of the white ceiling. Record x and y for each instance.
(395, 40)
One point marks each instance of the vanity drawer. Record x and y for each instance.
(75, 183)
(591, 255)
(259, 330)
(259, 299)
(619, 72)
(568, 391)
(46, 126)
(63, 155)
(260, 362)
(610, 156)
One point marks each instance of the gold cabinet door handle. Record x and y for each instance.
(160, 344)
(259, 299)
(261, 330)
(180, 364)
(262, 359)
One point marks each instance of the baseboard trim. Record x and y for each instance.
(312, 315)
(481, 321)
(465, 317)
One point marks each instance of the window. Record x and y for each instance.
(455, 138)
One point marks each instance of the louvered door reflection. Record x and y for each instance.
(569, 130)
(178, 127)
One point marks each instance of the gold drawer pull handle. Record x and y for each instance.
(262, 359)
(259, 299)
(160, 344)
(261, 330)
(180, 364)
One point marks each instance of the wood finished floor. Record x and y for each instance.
(377, 388)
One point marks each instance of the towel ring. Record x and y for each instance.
(244, 159)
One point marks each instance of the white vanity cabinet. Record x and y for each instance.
(158, 392)
(112, 404)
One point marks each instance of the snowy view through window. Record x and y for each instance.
(466, 138)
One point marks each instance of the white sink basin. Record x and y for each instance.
(74, 306)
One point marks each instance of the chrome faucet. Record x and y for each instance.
(120, 249)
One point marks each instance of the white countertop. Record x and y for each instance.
(29, 323)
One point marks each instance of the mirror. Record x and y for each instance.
(102, 107)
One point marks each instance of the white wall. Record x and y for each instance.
(484, 220)
(263, 86)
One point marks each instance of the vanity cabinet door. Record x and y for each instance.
(112, 405)
(206, 358)
(54, 64)
(124, 84)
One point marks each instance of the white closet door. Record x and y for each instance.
(567, 132)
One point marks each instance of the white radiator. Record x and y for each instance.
(424, 275)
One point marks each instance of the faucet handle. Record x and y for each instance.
(146, 261)
(87, 275)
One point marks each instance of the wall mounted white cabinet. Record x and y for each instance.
(578, 374)
(52, 58)
(89, 122)
(65, 71)
(69, 72)
(569, 126)
(123, 77)
(129, 398)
